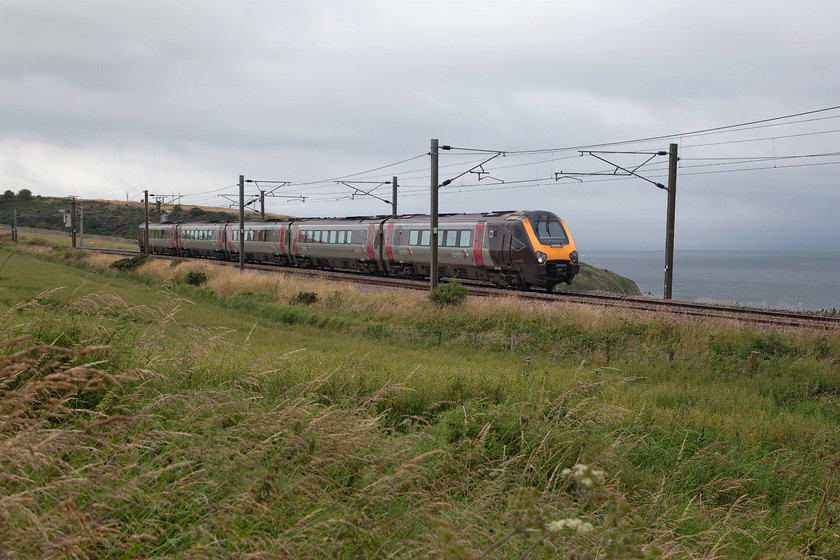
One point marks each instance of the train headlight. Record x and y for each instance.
(541, 257)
(573, 256)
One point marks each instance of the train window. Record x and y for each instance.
(464, 238)
(341, 235)
(318, 236)
(451, 238)
(551, 232)
(413, 237)
(349, 237)
(425, 238)
(333, 236)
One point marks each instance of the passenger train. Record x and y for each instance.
(518, 249)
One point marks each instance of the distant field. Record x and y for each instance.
(58, 239)
(190, 411)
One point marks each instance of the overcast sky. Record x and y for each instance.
(106, 98)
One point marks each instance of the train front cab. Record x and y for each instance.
(555, 256)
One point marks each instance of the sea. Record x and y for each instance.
(792, 280)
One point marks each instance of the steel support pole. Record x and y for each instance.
(146, 230)
(394, 197)
(433, 272)
(242, 222)
(669, 228)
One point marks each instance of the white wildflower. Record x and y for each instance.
(586, 475)
(572, 525)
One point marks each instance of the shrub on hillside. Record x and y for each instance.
(129, 264)
(453, 293)
(304, 298)
(196, 278)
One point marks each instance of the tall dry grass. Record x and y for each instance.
(162, 439)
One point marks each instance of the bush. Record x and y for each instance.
(196, 278)
(132, 263)
(304, 298)
(453, 293)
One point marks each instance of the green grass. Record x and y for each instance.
(152, 418)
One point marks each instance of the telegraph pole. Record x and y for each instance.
(262, 205)
(669, 228)
(146, 231)
(433, 273)
(242, 222)
(394, 197)
(14, 225)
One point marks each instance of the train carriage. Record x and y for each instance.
(337, 243)
(162, 239)
(201, 240)
(461, 251)
(264, 242)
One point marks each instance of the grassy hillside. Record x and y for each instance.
(101, 217)
(597, 279)
(144, 416)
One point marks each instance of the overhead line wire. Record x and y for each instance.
(662, 137)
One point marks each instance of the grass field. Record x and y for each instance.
(142, 416)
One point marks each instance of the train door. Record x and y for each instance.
(370, 238)
(389, 240)
(175, 241)
(220, 244)
(478, 244)
(281, 243)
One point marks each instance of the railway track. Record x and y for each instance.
(777, 317)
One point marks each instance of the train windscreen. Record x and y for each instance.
(549, 230)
